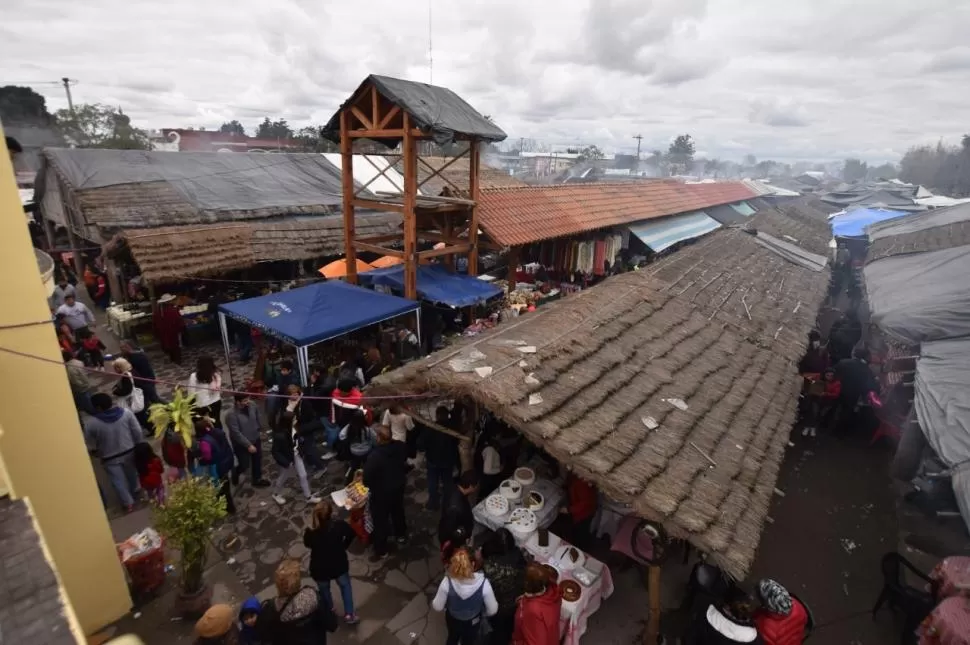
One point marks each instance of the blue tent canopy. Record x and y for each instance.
(317, 312)
(436, 284)
(854, 223)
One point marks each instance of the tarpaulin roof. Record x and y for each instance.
(854, 223)
(664, 233)
(317, 312)
(435, 110)
(436, 284)
(942, 403)
(921, 296)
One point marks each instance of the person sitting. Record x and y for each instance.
(782, 619)
(726, 622)
(217, 627)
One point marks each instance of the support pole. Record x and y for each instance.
(653, 588)
(410, 201)
(347, 188)
(225, 346)
(513, 258)
(75, 249)
(474, 161)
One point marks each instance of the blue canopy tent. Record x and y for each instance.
(854, 223)
(436, 284)
(313, 314)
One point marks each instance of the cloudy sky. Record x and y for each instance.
(825, 79)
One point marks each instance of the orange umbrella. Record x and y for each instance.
(338, 268)
(386, 261)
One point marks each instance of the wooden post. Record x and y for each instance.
(653, 588)
(473, 190)
(75, 246)
(49, 234)
(347, 187)
(449, 231)
(118, 294)
(410, 221)
(513, 258)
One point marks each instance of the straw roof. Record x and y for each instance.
(183, 251)
(304, 238)
(811, 233)
(935, 230)
(610, 360)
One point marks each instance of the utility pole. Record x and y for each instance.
(67, 89)
(639, 139)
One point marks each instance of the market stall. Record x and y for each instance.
(313, 314)
(435, 284)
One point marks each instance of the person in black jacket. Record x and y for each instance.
(328, 540)
(441, 456)
(141, 367)
(309, 424)
(385, 475)
(726, 622)
(457, 510)
(296, 616)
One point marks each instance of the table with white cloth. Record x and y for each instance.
(552, 496)
(574, 615)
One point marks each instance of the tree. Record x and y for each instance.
(750, 161)
(590, 153)
(713, 167)
(23, 106)
(942, 168)
(309, 140)
(766, 167)
(854, 170)
(279, 129)
(680, 154)
(101, 126)
(885, 171)
(233, 127)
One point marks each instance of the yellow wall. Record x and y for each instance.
(41, 443)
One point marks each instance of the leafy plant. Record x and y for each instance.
(192, 507)
(176, 414)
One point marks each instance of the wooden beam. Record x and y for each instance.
(347, 181)
(474, 162)
(449, 235)
(380, 250)
(435, 173)
(513, 259)
(447, 250)
(375, 178)
(378, 205)
(364, 121)
(652, 635)
(438, 428)
(375, 107)
(438, 199)
(380, 239)
(393, 112)
(393, 133)
(410, 200)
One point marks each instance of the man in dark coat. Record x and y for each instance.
(141, 368)
(385, 475)
(457, 510)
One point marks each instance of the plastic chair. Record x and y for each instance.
(915, 604)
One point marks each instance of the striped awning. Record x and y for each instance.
(744, 208)
(663, 233)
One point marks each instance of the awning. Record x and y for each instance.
(725, 214)
(435, 284)
(744, 208)
(664, 233)
(317, 312)
(854, 223)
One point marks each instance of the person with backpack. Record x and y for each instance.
(466, 597)
(215, 458)
(174, 454)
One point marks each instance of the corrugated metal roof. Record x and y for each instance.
(663, 233)
(744, 208)
(515, 216)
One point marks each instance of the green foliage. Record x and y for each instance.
(176, 413)
(310, 140)
(942, 168)
(233, 127)
(885, 171)
(590, 153)
(100, 126)
(279, 129)
(191, 509)
(23, 106)
(681, 152)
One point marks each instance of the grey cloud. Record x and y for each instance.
(953, 60)
(778, 114)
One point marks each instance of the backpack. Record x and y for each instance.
(173, 450)
(222, 456)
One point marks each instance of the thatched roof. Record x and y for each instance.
(172, 253)
(935, 230)
(303, 238)
(609, 360)
(792, 224)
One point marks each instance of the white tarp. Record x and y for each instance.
(921, 296)
(942, 403)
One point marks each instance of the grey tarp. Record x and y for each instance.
(436, 110)
(791, 252)
(209, 181)
(726, 215)
(921, 296)
(942, 405)
(917, 222)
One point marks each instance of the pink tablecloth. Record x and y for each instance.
(948, 624)
(953, 577)
(574, 615)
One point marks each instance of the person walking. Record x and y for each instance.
(111, 435)
(76, 314)
(206, 383)
(61, 292)
(296, 616)
(457, 510)
(141, 369)
(360, 439)
(504, 566)
(169, 325)
(281, 379)
(385, 475)
(81, 386)
(466, 596)
(538, 609)
(214, 458)
(150, 472)
(287, 453)
(245, 424)
(441, 459)
(328, 540)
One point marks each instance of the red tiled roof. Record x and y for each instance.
(515, 216)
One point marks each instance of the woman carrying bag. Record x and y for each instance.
(128, 394)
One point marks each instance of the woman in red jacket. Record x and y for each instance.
(782, 619)
(537, 613)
